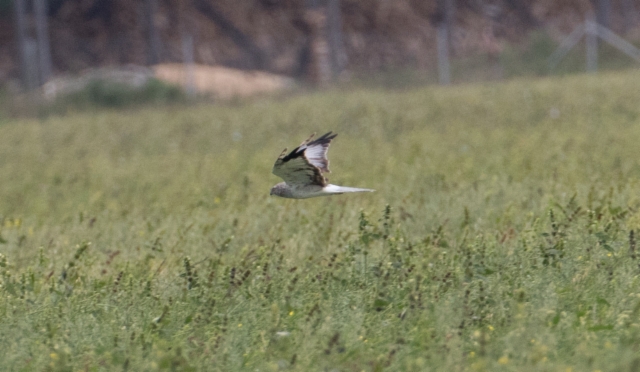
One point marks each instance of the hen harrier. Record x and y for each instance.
(302, 171)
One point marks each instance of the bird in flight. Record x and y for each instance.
(302, 171)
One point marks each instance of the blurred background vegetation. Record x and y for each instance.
(395, 44)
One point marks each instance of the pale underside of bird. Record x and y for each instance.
(302, 171)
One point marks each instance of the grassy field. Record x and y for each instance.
(500, 238)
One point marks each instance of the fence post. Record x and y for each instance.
(185, 19)
(444, 72)
(42, 35)
(336, 45)
(153, 37)
(189, 67)
(315, 15)
(25, 47)
(591, 36)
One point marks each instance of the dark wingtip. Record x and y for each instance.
(329, 135)
(325, 137)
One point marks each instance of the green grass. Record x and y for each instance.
(498, 238)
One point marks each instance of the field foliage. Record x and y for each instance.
(500, 237)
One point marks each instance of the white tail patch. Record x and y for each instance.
(335, 189)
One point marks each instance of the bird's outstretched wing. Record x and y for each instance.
(306, 163)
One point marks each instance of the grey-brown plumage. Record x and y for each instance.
(302, 171)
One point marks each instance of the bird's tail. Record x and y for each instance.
(335, 189)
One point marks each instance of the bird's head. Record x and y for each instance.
(279, 190)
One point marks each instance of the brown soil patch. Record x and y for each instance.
(223, 82)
